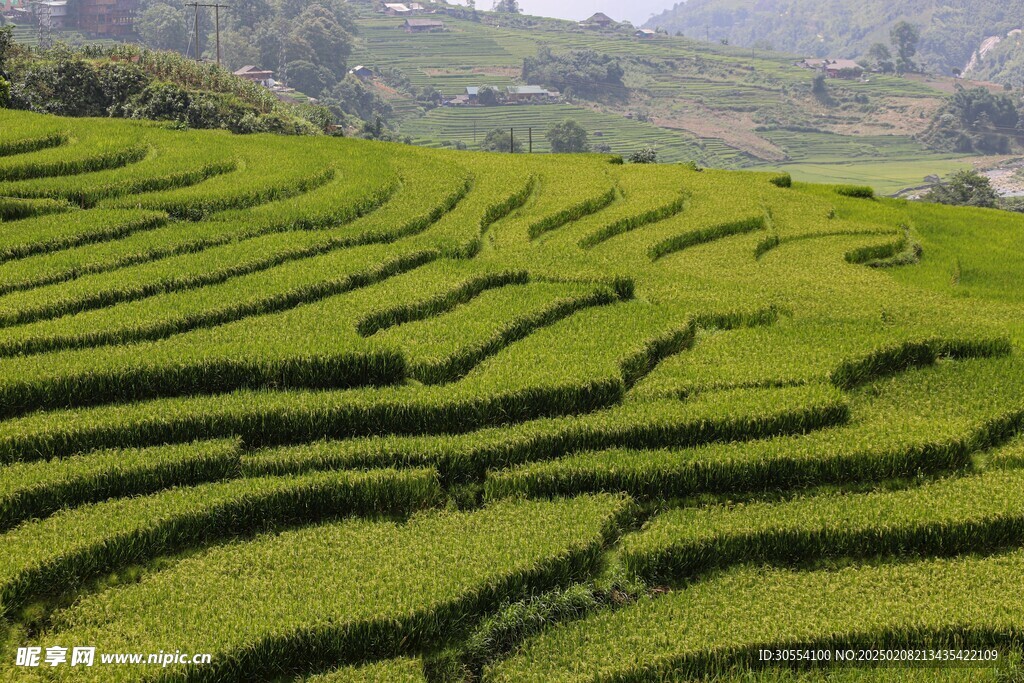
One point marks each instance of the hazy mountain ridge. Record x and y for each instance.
(951, 32)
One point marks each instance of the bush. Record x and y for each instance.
(645, 155)
(567, 136)
(501, 140)
(964, 188)
(859, 191)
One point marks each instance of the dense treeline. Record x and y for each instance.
(577, 73)
(306, 45)
(127, 82)
(976, 121)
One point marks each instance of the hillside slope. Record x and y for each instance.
(950, 31)
(309, 405)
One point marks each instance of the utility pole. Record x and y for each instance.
(531, 139)
(195, 27)
(512, 140)
(216, 14)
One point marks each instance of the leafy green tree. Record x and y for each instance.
(6, 43)
(567, 136)
(975, 121)
(965, 188)
(352, 97)
(162, 102)
(506, 6)
(247, 13)
(500, 140)
(120, 83)
(583, 73)
(308, 78)
(487, 96)
(819, 86)
(5, 93)
(242, 47)
(880, 58)
(163, 27)
(60, 83)
(317, 37)
(905, 37)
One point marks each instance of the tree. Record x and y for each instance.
(965, 188)
(120, 83)
(567, 136)
(977, 121)
(247, 13)
(819, 86)
(6, 43)
(904, 37)
(351, 96)
(487, 96)
(644, 155)
(163, 27)
(61, 83)
(506, 6)
(308, 78)
(881, 58)
(500, 140)
(585, 73)
(317, 37)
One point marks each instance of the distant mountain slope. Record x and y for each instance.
(951, 30)
(1001, 59)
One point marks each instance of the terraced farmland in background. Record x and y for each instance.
(338, 410)
(716, 105)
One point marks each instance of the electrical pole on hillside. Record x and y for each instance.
(195, 27)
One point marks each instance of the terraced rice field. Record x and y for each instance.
(469, 125)
(334, 410)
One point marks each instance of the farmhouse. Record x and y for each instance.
(473, 93)
(835, 68)
(423, 25)
(645, 33)
(362, 72)
(843, 68)
(256, 75)
(599, 20)
(529, 94)
(396, 9)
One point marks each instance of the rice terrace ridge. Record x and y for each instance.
(331, 409)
